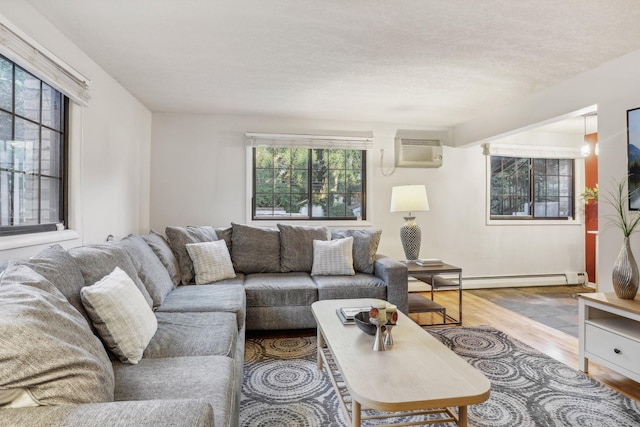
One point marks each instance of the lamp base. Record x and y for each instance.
(410, 236)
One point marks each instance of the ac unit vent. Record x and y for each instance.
(418, 153)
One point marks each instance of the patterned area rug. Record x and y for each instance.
(283, 387)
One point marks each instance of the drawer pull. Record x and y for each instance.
(617, 351)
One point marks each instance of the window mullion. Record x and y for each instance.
(310, 183)
(532, 190)
(38, 172)
(12, 217)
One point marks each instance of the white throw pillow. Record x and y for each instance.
(121, 315)
(333, 257)
(211, 261)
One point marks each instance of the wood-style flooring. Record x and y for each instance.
(559, 345)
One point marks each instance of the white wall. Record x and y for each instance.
(110, 149)
(198, 177)
(613, 87)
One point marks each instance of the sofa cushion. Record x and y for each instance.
(226, 234)
(361, 285)
(205, 378)
(194, 334)
(365, 246)
(211, 261)
(179, 237)
(333, 257)
(147, 413)
(226, 296)
(46, 347)
(296, 246)
(121, 315)
(152, 273)
(280, 289)
(255, 249)
(280, 318)
(163, 251)
(58, 266)
(98, 261)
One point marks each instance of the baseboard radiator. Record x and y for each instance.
(485, 282)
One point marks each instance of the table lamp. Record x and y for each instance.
(410, 198)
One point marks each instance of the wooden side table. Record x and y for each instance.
(431, 275)
(609, 333)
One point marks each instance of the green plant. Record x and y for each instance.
(590, 193)
(625, 220)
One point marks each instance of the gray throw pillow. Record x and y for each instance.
(47, 350)
(255, 249)
(296, 246)
(150, 270)
(365, 247)
(225, 233)
(179, 238)
(58, 266)
(163, 251)
(98, 261)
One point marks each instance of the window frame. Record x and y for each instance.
(577, 182)
(13, 230)
(251, 209)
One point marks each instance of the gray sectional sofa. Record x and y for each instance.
(70, 356)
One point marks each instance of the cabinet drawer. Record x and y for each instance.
(615, 348)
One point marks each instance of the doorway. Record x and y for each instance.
(591, 207)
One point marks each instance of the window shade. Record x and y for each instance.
(361, 142)
(532, 151)
(36, 59)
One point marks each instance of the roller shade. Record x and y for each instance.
(36, 59)
(353, 142)
(532, 151)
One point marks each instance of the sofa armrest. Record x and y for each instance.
(145, 413)
(394, 274)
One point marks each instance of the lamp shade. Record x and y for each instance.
(409, 198)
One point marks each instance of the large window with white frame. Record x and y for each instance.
(33, 141)
(525, 188)
(308, 183)
(309, 176)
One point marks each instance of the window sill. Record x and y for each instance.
(525, 222)
(326, 223)
(26, 240)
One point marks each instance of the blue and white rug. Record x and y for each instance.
(283, 387)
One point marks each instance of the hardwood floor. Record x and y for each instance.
(561, 346)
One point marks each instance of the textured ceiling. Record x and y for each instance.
(423, 62)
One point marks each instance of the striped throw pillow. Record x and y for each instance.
(333, 257)
(211, 261)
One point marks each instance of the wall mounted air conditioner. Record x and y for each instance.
(418, 152)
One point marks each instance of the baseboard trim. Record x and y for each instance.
(488, 282)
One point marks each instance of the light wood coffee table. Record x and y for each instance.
(418, 374)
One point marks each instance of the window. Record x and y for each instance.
(308, 183)
(529, 188)
(33, 121)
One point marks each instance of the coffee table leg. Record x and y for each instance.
(320, 345)
(462, 416)
(355, 414)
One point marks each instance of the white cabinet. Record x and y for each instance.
(609, 333)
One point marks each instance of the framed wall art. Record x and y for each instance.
(633, 143)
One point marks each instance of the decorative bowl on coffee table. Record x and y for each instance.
(362, 320)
